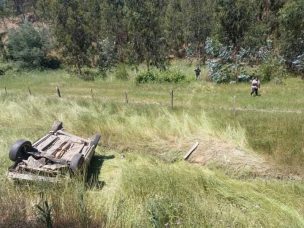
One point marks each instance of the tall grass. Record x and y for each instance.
(138, 178)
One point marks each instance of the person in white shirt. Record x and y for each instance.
(255, 85)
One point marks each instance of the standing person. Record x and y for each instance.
(259, 84)
(254, 86)
(197, 72)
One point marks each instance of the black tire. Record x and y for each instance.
(19, 150)
(76, 162)
(57, 125)
(95, 139)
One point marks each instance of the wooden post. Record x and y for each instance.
(58, 91)
(92, 95)
(234, 105)
(126, 98)
(172, 98)
(29, 90)
(5, 90)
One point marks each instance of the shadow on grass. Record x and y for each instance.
(94, 171)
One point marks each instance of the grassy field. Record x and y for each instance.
(138, 177)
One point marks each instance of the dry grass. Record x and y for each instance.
(151, 186)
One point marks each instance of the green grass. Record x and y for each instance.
(152, 186)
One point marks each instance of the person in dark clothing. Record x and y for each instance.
(197, 73)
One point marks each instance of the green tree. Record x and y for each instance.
(292, 29)
(73, 31)
(28, 45)
(174, 26)
(146, 36)
(114, 26)
(199, 22)
(235, 18)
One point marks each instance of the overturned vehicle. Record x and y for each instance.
(50, 158)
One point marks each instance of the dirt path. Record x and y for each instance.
(242, 162)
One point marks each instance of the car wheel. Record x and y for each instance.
(57, 125)
(76, 162)
(19, 150)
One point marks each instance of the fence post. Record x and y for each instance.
(58, 91)
(5, 90)
(126, 98)
(29, 90)
(172, 98)
(92, 94)
(234, 105)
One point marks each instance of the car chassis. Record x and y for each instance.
(51, 157)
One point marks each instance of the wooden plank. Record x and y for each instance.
(193, 148)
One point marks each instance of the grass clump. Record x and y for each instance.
(121, 72)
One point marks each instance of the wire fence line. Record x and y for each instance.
(171, 102)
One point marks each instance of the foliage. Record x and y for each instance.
(146, 77)
(28, 46)
(121, 72)
(72, 30)
(147, 42)
(44, 210)
(298, 63)
(160, 77)
(291, 29)
(272, 68)
(107, 57)
(171, 76)
(235, 18)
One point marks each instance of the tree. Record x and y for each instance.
(146, 37)
(114, 26)
(175, 25)
(198, 22)
(28, 45)
(73, 31)
(235, 17)
(292, 29)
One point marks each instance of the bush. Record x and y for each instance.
(107, 57)
(171, 76)
(28, 46)
(51, 62)
(145, 77)
(89, 74)
(160, 77)
(121, 72)
(272, 68)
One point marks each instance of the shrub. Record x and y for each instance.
(121, 72)
(160, 77)
(51, 62)
(28, 46)
(171, 76)
(107, 57)
(146, 77)
(89, 74)
(272, 68)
